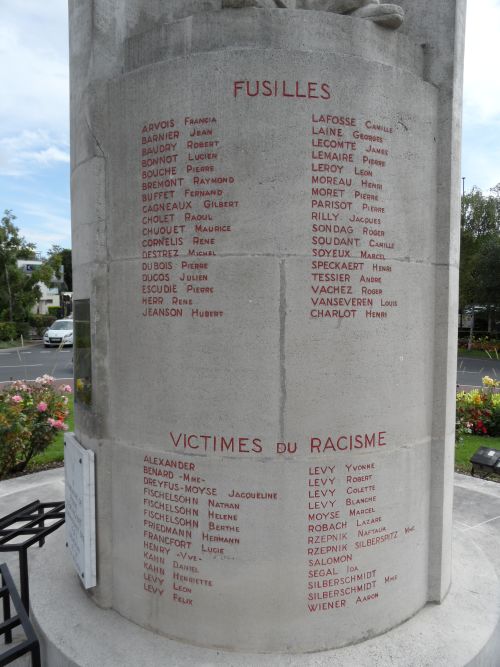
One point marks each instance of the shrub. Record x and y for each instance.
(483, 343)
(55, 311)
(30, 417)
(478, 411)
(23, 329)
(41, 322)
(7, 331)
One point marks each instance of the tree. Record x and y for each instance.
(62, 257)
(487, 276)
(12, 248)
(480, 221)
(479, 244)
(480, 214)
(19, 290)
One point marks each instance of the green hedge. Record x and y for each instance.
(8, 331)
(55, 311)
(23, 329)
(41, 322)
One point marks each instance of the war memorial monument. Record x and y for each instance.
(265, 202)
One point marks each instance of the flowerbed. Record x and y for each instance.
(485, 344)
(478, 411)
(31, 415)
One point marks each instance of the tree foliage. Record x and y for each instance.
(487, 273)
(481, 214)
(61, 258)
(480, 250)
(19, 290)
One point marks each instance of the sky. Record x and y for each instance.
(34, 113)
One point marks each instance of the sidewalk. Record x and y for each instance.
(14, 493)
(19, 491)
(476, 513)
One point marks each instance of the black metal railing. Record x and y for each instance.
(30, 643)
(23, 528)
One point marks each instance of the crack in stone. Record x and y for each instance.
(95, 139)
(282, 347)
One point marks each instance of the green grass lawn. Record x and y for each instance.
(6, 344)
(466, 449)
(54, 452)
(479, 354)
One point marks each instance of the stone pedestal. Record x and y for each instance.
(265, 218)
(462, 631)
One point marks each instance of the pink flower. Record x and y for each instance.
(45, 380)
(17, 399)
(19, 384)
(67, 389)
(41, 407)
(57, 424)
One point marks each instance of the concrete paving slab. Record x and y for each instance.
(15, 493)
(45, 486)
(477, 514)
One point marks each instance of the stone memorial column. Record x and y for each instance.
(265, 209)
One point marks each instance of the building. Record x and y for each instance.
(50, 295)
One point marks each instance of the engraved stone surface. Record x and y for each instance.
(273, 311)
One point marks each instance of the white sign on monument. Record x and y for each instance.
(80, 508)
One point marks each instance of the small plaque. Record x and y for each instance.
(82, 352)
(80, 508)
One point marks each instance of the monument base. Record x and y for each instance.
(464, 630)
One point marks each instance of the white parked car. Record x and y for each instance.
(60, 333)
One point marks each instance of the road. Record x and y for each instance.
(471, 371)
(35, 360)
